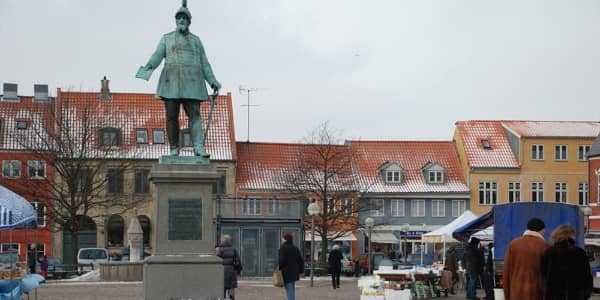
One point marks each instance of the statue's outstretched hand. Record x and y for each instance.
(216, 86)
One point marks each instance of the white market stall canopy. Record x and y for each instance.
(444, 234)
(346, 236)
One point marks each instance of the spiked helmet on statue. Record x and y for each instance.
(184, 10)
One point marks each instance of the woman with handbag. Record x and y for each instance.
(231, 264)
(291, 265)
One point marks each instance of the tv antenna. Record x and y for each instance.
(248, 90)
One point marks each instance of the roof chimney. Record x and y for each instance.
(40, 92)
(105, 90)
(10, 92)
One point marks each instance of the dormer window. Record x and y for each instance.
(433, 173)
(110, 137)
(21, 124)
(486, 144)
(436, 176)
(392, 176)
(391, 172)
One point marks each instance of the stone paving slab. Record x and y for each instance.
(249, 289)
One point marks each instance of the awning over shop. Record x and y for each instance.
(347, 236)
(383, 237)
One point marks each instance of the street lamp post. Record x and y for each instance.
(587, 212)
(406, 227)
(313, 210)
(369, 222)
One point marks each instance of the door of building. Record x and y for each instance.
(250, 251)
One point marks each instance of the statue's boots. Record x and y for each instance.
(174, 152)
(199, 151)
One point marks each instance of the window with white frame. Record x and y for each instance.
(488, 192)
(417, 208)
(346, 207)
(40, 209)
(250, 206)
(273, 207)
(514, 192)
(377, 208)
(397, 207)
(114, 181)
(438, 208)
(582, 152)
(560, 152)
(158, 136)
(392, 176)
(40, 250)
(11, 248)
(598, 185)
(11, 168)
(584, 198)
(141, 136)
(330, 206)
(109, 137)
(537, 191)
(458, 207)
(36, 169)
(560, 192)
(141, 181)
(436, 176)
(537, 152)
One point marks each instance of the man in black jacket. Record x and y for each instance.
(291, 265)
(473, 261)
(335, 265)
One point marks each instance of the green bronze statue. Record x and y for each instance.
(182, 80)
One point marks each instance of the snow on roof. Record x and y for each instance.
(498, 155)
(266, 166)
(126, 111)
(555, 129)
(412, 157)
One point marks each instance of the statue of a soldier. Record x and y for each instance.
(182, 80)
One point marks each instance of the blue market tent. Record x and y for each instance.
(510, 221)
(15, 211)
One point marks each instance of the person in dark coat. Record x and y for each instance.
(488, 272)
(452, 266)
(291, 265)
(474, 266)
(335, 265)
(230, 261)
(31, 258)
(566, 268)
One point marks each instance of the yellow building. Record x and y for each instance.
(512, 161)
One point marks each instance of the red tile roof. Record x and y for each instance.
(265, 166)
(131, 111)
(500, 155)
(411, 157)
(568, 129)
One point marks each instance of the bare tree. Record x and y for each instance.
(323, 171)
(77, 141)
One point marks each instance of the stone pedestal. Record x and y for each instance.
(183, 265)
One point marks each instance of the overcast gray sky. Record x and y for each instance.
(400, 70)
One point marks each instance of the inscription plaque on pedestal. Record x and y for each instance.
(185, 219)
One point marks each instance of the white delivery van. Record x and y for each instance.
(93, 256)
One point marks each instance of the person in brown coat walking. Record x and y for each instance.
(566, 267)
(522, 271)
